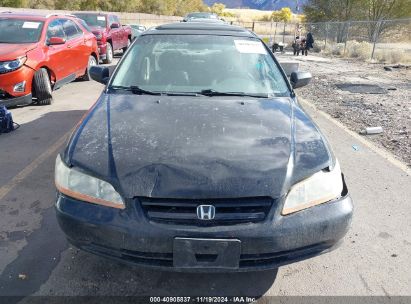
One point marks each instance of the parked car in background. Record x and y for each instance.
(40, 53)
(136, 30)
(111, 35)
(202, 159)
(206, 20)
(200, 15)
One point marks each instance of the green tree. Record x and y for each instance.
(129, 6)
(283, 15)
(378, 10)
(45, 4)
(14, 3)
(217, 8)
(72, 5)
(347, 10)
(150, 6)
(344, 10)
(169, 7)
(163, 7)
(187, 6)
(332, 10)
(387, 9)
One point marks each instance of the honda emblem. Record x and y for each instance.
(206, 212)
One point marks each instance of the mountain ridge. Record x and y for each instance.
(267, 5)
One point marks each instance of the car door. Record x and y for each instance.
(76, 46)
(114, 33)
(122, 37)
(57, 55)
(85, 47)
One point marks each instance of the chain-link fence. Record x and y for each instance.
(383, 41)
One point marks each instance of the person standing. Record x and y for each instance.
(308, 43)
(303, 46)
(296, 45)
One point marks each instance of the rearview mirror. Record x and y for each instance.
(56, 41)
(300, 79)
(100, 74)
(114, 25)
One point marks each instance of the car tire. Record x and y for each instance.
(92, 61)
(109, 54)
(42, 87)
(128, 45)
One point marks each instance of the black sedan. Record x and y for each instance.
(198, 157)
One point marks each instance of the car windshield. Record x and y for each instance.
(84, 24)
(200, 63)
(19, 30)
(93, 19)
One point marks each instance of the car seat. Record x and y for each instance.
(171, 70)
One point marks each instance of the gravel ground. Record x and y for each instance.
(391, 110)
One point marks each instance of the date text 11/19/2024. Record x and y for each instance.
(206, 299)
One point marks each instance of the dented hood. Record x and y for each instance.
(11, 51)
(197, 147)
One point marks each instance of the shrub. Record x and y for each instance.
(360, 50)
(318, 46)
(392, 56)
(336, 49)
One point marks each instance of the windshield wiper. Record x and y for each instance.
(134, 90)
(211, 92)
(181, 93)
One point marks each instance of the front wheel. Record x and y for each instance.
(109, 54)
(42, 87)
(128, 45)
(91, 62)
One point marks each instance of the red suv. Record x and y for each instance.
(42, 53)
(111, 35)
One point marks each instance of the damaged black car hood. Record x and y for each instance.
(198, 147)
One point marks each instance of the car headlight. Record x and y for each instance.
(9, 66)
(76, 184)
(319, 188)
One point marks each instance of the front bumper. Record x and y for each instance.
(9, 80)
(16, 101)
(127, 235)
(102, 50)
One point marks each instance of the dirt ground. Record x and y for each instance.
(390, 109)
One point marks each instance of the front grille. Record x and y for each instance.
(282, 257)
(251, 261)
(142, 258)
(227, 211)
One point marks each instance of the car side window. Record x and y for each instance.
(71, 29)
(116, 19)
(84, 24)
(79, 30)
(55, 29)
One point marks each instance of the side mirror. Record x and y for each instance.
(56, 41)
(300, 79)
(114, 25)
(100, 74)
